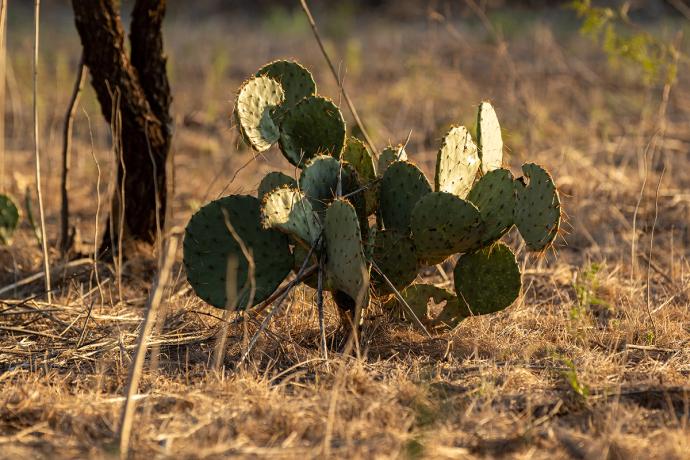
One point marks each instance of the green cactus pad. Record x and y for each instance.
(313, 127)
(388, 156)
(394, 254)
(319, 183)
(208, 246)
(274, 180)
(487, 281)
(358, 156)
(297, 82)
(489, 140)
(9, 219)
(457, 163)
(401, 187)
(537, 208)
(494, 195)
(288, 210)
(257, 97)
(443, 224)
(345, 264)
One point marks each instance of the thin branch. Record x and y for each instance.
(66, 238)
(137, 365)
(319, 304)
(348, 101)
(44, 242)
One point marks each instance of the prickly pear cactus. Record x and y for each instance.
(345, 263)
(313, 127)
(388, 156)
(274, 180)
(457, 163)
(401, 187)
(537, 208)
(489, 139)
(341, 186)
(288, 210)
(297, 83)
(9, 219)
(488, 280)
(494, 196)
(442, 225)
(256, 99)
(394, 254)
(212, 255)
(358, 156)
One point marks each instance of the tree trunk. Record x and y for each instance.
(134, 95)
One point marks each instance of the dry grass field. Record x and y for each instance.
(592, 361)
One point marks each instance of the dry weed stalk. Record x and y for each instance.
(39, 194)
(155, 297)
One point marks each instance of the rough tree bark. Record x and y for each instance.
(139, 89)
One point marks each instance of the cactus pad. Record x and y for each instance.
(358, 156)
(345, 264)
(297, 82)
(388, 156)
(208, 246)
(313, 127)
(9, 219)
(257, 97)
(487, 281)
(394, 254)
(289, 211)
(457, 163)
(494, 195)
(402, 186)
(489, 140)
(537, 208)
(443, 224)
(274, 180)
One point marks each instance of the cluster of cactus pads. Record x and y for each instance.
(369, 221)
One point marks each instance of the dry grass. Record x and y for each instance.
(576, 368)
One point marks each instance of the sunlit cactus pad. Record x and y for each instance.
(489, 138)
(457, 163)
(289, 211)
(257, 97)
(274, 180)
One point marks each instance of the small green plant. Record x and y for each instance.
(362, 225)
(571, 376)
(622, 40)
(9, 219)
